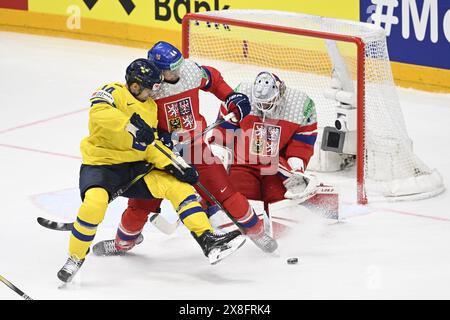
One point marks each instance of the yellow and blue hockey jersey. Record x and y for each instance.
(109, 142)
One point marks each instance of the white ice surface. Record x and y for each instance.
(383, 250)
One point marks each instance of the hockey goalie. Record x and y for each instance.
(269, 150)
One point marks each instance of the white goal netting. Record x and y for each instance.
(316, 54)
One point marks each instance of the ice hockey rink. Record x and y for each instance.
(378, 251)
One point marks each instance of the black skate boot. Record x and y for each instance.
(218, 246)
(109, 247)
(70, 268)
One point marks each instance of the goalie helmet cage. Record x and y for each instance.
(296, 47)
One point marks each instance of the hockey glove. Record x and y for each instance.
(166, 138)
(143, 133)
(299, 186)
(296, 182)
(288, 167)
(239, 104)
(187, 174)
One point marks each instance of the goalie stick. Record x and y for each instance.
(15, 289)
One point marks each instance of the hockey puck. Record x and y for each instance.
(292, 260)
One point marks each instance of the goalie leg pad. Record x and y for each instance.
(325, 201)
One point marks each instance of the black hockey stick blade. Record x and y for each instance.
(60, 226)
(68, 226)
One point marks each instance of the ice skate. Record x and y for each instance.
(70, 268)
(111, 247)
(218, 246)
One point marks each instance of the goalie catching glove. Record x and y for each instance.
(299, 186)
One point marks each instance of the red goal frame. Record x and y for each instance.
(360, 89)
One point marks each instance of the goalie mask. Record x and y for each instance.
(267, 91)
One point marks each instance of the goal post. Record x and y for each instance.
(344, 67)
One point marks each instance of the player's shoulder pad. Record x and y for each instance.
(309, 109)
(203, 71)
(105, 94)
(298, 107)
(245, 88)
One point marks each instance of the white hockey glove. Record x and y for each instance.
(299, 186)
(288, 167)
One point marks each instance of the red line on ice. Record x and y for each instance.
(416, 214)
(42, 121)
(41, 151)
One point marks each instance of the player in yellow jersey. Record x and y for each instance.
(120, 147)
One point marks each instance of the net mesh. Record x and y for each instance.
(304, 62)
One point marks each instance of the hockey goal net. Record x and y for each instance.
(344, 67)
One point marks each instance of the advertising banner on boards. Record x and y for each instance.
(418, 31)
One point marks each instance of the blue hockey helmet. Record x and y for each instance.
(145, 73)
(165, 56)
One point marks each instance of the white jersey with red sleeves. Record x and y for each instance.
(289, 131)
(178, 104)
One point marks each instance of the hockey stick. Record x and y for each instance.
(67, 226)
(177, 148)
(214, 199)
(157, 220)
(15, 289)
(160, 223)
(163, 225)
(180, 164)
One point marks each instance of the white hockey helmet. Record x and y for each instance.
(267, 91)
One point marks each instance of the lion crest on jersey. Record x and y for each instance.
(265, 139)
(179, 115)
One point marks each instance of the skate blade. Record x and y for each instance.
(63, 285)
(102, 253)
(99, 248)
(218, 255)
